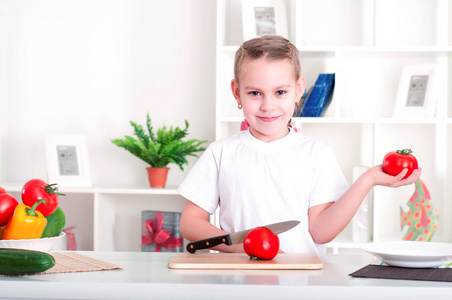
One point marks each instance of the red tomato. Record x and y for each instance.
(7, 206)
(2, 190)
(261, 243)
(394, 162)
(35, 190)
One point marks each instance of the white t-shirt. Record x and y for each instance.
(257, 183)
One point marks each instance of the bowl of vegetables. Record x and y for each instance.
(39, 244)
(37, 223)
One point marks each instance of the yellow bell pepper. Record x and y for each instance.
(26, 223)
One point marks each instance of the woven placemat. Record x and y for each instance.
(69, 262)
(75, 262)
(388, 272)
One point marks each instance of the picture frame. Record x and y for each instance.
(417, 92)
(264, 17)
(67, 160)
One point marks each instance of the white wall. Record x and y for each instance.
(90, 66)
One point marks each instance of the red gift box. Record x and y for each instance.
(160, 232)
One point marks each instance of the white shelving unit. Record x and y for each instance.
(365, 43)
(109, 218)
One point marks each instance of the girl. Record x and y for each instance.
(269, 173)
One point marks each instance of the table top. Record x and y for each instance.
(146, 276)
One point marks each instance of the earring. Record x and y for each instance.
(239, 106)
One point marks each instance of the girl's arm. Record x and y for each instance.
(195, 225)
(327, 220)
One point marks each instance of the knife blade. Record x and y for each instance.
(237, 237)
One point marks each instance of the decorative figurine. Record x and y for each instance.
(422, 219)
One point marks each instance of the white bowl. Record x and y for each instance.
(43, 245)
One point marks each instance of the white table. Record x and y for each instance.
(146, 276)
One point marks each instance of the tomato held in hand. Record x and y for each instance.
(261, 243)
(35, 190)
(7, 206)
(394, 162)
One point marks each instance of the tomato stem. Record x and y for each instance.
(255, 257)
(405, 151)
(53, 189)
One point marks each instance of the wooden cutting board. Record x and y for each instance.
(242, 261)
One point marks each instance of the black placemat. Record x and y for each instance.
(387, 272)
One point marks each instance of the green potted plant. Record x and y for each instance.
(160, 149)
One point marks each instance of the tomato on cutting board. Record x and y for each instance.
(395, 161)
(261, 243)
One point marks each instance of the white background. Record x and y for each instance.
(90, 67)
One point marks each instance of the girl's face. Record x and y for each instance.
(268, 91)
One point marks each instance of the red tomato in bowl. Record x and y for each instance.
(261, 243)
(394, 162)
(37, 189)
(7, 206)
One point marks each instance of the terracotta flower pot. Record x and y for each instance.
(157, 177)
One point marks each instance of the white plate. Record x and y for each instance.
(411, 254)
(43, 245)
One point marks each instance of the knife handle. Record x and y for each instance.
(209, 243)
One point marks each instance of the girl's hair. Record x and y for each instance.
(271, 47)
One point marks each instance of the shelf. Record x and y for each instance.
(358, 120)
(366, 44)
(377, 49)
(137, 190)
(353, 120)
(371, 49)
(109, 218)
(134, 190)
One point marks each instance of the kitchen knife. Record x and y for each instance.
(237, 237)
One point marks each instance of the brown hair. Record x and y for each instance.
(272, 47)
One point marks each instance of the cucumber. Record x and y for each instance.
(20, 261)
(55, 223)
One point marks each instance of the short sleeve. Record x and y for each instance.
(329, 183)
(200, 186)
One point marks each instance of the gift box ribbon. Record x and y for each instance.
(153, 233)
(71, 244)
